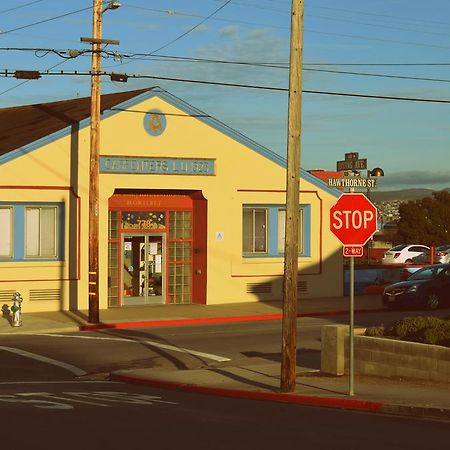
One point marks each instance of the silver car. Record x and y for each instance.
(442, 254)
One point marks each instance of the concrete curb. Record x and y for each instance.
(310, 400)
(373, 406)
(206, 320)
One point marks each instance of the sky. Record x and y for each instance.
(376, 48)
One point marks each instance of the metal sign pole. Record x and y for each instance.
(352, 325)
(352, 317)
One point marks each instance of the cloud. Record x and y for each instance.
(418, 178)
(229, 31)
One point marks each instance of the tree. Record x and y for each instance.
(425, 221)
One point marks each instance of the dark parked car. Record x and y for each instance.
(428, 287)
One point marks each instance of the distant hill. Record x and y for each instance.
(403, 195)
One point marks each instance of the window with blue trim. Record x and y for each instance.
(263, 230)
(32, 231)
(281, 231)
(254, 230)
(6, 227)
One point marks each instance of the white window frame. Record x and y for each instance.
(253, 250)
(281, 218)
(6, 235)
(37, 241)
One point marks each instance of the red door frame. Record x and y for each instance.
(166, 202)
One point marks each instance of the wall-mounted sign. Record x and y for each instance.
(157, 166)
(143, 220)
(155, 122)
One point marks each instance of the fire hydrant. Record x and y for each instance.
(16, 310)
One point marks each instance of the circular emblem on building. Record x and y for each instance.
(155, 122)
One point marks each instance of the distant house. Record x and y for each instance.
(191, 211)
(325, 175)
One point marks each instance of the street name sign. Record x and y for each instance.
(352, 182)
(351, 162)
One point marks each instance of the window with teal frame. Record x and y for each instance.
(34, 231)
(263, 230)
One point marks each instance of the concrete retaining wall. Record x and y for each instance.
(383, 357)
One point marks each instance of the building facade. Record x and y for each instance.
(191, 211)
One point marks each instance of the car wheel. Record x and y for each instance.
(409, 261)
(432, 300)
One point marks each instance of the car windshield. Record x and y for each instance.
(427, 274)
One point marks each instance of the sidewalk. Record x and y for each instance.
(167, 315)
(261, 379)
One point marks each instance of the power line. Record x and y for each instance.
(44, 21)
(20, 6)
(26, 81)
(379, 75)
(193, 28)
(71, 54)
(186, 32)
(396, 18)
(7, 73)
(351, 36)
(367, 38)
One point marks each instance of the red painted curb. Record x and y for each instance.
(310, 400)
(206, 320)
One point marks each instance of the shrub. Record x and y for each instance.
(438, 335)
(413, 327)
(375, 331)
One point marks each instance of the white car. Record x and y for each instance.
(403, 254)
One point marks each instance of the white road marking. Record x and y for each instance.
(75, 370)
(46, 400)
(55, 397)
(60, 382)
(151, 343)
(45, 404)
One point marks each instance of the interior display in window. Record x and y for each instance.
(143, 220)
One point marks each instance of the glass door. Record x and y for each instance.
(143, 272)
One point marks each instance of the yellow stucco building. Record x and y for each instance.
(191, 211)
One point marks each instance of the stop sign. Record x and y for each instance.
(353, 219)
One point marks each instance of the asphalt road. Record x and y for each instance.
(95, 354)
(54, 393)
(113, 415)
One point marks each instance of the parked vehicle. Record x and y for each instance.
(429, 287)
(442, 254)
(404, 254)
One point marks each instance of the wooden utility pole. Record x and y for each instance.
(290, 293)
(94, 164)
